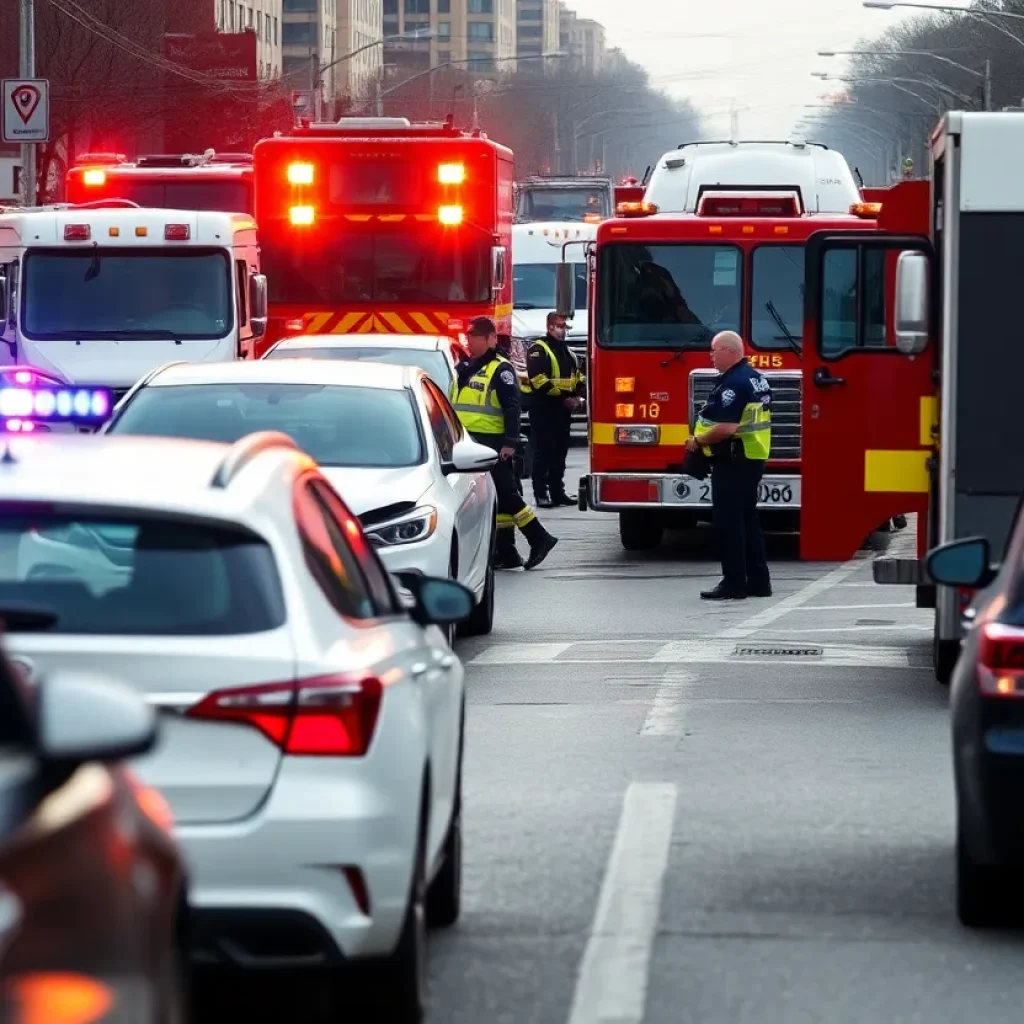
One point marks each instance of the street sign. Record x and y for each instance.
(26, 113)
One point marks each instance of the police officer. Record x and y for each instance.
(734, 430)
(556, 390)
(486, 397)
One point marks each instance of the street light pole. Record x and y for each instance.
(27, 69)
(988, 85)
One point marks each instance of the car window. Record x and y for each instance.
(100, 573)
(336, 425)
(450, 415)
(15, 723)
(430, 361)
(439, 426)
(374, 572)
(329, 557)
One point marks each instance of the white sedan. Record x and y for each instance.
(384, 435)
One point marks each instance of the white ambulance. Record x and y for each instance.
(102, 293)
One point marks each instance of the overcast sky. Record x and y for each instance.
(759, 53)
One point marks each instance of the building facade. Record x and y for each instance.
(538, 27)
(583, 39)
(479, 31)
(264, 17)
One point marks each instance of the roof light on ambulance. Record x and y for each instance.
(451, 174)
(300, 174)
(450, 215)
(866, 209)
(176, 232)
(77, 233)
(94, 176)
(301, 215)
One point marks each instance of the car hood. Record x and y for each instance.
(368, 489)
(530, 324)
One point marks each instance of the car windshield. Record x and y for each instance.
(335, 425)
(137, 294)
(433, 363)
(561, 204)
(533, 285)
(373, 265)
(677, 295)
(99, 573)
(182, 194)
(777, 285)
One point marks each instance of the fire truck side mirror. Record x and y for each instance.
(4, 300)
(258, 304)
(499, 271)
(912, 302)
(565, 289)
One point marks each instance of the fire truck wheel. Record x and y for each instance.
(639, 530)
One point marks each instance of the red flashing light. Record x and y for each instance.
(177, 232)
(77, 233)
(748, 206)
(329, 716)
(94, 176)
(1001, 660)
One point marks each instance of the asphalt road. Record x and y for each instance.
(662, 829)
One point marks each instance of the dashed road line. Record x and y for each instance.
(666, 716)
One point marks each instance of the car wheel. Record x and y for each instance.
(639, 532)
(444, 897)
(481, 620)
(981, 889)
(403, 984)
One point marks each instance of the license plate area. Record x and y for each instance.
(773, 492)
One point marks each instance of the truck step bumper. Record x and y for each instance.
(899, 571)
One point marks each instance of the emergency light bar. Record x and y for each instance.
(641, 209)
(449, 215)
(748, 206)
(94, 176)
(451, 174)
(869, 210)
(88, 406)
(300, 174)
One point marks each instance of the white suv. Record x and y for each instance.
(312, 740)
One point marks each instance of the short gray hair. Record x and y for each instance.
(730, 340)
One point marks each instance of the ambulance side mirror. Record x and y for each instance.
(258, 304)
(912, 302)
(499, 270)
(565, 290)
(4, 300)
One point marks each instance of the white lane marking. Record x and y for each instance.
(897, 627)
(757, 622)
(666, 715)
(519, 654)
(611, 987)
(853, 607)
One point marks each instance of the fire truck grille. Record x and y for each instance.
(787, 399)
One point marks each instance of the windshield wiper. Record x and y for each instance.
(525, 305)
(27, 618)
(142, 334)
(680, 352)
(786, 333)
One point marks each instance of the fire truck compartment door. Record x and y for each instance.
(868, 409)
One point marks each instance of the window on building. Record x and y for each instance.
(275, 30)
(481, 31)
(390, 7)
(444, 30)
(299, 6)
(298, 33)
(417, 6)
(480, 6)
(295, 66)
(444, 6)
(480, 60)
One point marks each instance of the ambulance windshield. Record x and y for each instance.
(668, 296)
(180, 193)
(561, 204)
(127, 293)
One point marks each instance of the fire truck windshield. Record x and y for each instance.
(129, 293)
(561, 204)
(533, 285)
(667, 296)
(181, 194)
(370, 264)
(777, 281)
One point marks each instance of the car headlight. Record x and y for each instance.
(409, 528)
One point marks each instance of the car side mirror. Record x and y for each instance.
(565, 290)
(499, 270)
(438, 602)
(84, 717)
(961, 563)
(258, 304)
(911, 318)
(469, 457)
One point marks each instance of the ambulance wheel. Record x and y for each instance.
(639, 531)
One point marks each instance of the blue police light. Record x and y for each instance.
(21, 407)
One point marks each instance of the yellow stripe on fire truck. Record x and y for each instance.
(377, 322)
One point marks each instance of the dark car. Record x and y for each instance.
(92, 890)
(987, 707)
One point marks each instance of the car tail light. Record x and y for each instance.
(628, 489)
(76, 233)
(328, 716)
(1001, 660)
(176, 232)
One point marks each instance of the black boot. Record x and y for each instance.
(563, 500)
(723, 593)
(541, 543)
(505, 554)
(541, 498)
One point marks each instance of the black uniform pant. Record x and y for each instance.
(512, 508)
(741, 542)
(550, 425)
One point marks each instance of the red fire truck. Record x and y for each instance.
(379, 225)
(211, 181)
(848, 445)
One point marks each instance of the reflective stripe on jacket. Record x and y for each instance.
(755, 431)
(560, 386)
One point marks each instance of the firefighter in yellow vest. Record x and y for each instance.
(485, 394)
(734, 430)
(556, 392)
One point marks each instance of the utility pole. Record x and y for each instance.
(27, 69)
(557, 169)
(988, 85)
(313, 90)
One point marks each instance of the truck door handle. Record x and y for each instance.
(824, 379)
